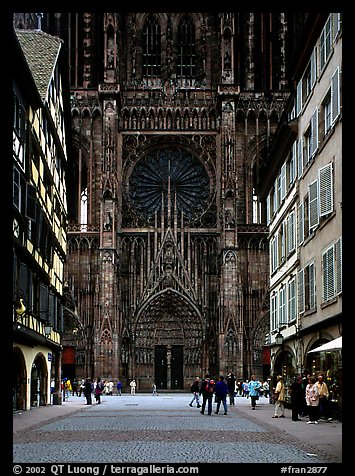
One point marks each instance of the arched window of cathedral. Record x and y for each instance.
(186, 48)
(151, 47)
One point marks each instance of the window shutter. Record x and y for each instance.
(301, 290)
(335, 96)
(325, 190)
(328, 274)
(314, 132)
(31, 202)
(283, 181)
(300, 157)
(299, 98)
(291, 232)
(311, 286)
(339, 265)
(313, 67)
(17, 189)
(313, 205)
(292, 300)
(293, 163)
(300, 224)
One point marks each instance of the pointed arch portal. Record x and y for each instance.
(168, 339)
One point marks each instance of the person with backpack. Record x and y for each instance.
(221, 391)
(195, 388)
(207, 390)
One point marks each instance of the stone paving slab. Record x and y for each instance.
(164, 429)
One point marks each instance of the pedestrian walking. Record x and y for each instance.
(297, 397)
(245, 386)
(119, 387)
(99, 390)
(154, 390)
(279, 398)
(221, 391)
(207, 390)
(195, 389)
(254, 387)
(312, 399)
(88, 388)
(323, 398)
(231, 382)
(82, 387)
(266, 388)
(133, 387)
(68, 389)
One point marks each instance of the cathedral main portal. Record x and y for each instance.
(168, 342)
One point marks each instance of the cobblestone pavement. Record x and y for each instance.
(165, 429)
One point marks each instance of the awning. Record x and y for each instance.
(335, 344)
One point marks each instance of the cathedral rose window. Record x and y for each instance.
(167, 176)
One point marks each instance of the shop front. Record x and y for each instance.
(326, 357)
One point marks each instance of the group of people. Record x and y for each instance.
(309, 396)
(89, 388)
(220, 390)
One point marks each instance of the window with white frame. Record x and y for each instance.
(325, 42)
(273, 254)
(307, 288)
(311, 137)
(325, 181)
(301, 300)
(292, 165)
(335, 96)
(292, 304)
(282, 243)
(273, 311)
(291, 225)
(282, 305)
(300, 224)
(332, 271)
(313, 205)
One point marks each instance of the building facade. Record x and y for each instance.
(304, 214)
(39, 218)
(167, 272)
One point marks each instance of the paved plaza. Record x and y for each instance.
(143, 428)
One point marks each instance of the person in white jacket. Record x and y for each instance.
(133, 387)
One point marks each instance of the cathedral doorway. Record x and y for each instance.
(169, 367)
(168, 343)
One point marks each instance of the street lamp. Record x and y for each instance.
(279, 339)
(48, 328)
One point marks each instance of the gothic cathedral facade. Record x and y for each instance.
(167, 266)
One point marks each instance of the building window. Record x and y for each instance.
(273, 255)
(186, 48)
(273, 311)
(327, 113)
(332, 271)
(310, 287)
(292, 300)
(325, 42)
(291, 223)
(282, 306)
(19, 132)
(325, 180)
(151, 47)
(313, 205)
(335, 96)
